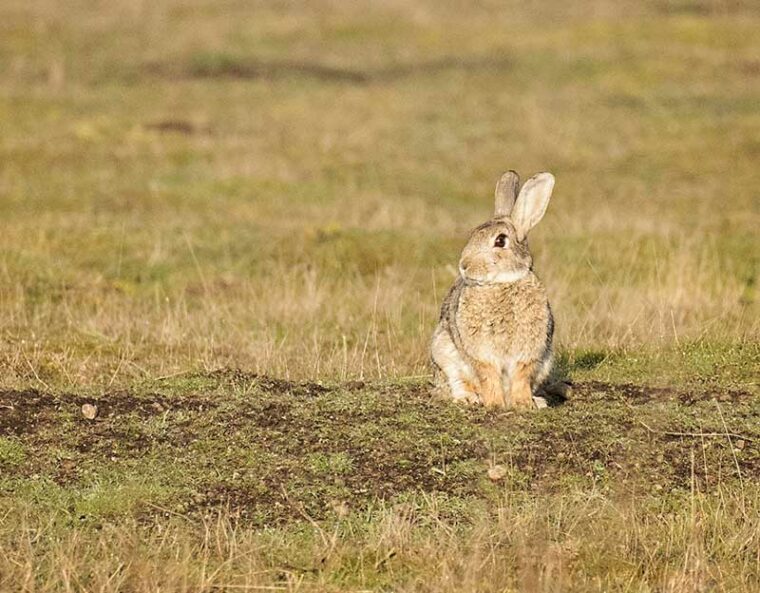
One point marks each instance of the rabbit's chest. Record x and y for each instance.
(500, 321)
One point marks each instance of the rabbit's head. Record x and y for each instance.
(497, 250)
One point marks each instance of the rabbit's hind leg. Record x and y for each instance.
(521, 392)
(492, 391)
(542, 393)
(460, 377)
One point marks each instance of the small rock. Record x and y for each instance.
(739, 444)
(89, 411)
(497, 472)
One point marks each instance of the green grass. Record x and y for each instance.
(337, 473)
(12, 453)
(193, 186)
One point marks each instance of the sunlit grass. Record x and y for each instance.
(569, 543)
(305, 225)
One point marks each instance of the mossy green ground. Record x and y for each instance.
(317, 472)
(271, 451)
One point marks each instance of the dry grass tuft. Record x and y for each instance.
(545, 544)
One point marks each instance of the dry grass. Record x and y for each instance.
(162, 212)
(569, 543)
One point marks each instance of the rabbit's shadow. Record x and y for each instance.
(556, 389)
(553, 394)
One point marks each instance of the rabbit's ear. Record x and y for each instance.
(532, 202)
(506, 194)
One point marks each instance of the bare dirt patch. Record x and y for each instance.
(642, 394)
(23, 412)
(273, 451)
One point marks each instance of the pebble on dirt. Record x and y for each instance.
(497, 472)
(89, 411)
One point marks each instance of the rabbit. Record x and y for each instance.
(493, 342)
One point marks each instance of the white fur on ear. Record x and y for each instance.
(532, 202)
(506, 194)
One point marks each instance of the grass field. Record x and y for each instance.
(230, 225)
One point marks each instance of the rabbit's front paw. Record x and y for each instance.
(468, 398)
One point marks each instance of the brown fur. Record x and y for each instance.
(493, 342)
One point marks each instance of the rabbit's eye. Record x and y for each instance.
(501, 240)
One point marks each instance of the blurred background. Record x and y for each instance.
(284, 187)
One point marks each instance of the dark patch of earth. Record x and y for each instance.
(642, 394)
(295, 421)
(23, 412)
